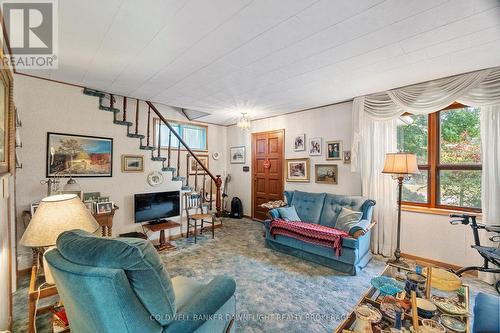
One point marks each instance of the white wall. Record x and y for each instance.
(330, 123)
(51, 107)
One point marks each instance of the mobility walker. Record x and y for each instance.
(490, 254)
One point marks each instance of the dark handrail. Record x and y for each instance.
(174, 132)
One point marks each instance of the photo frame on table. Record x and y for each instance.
(237, 155)
(297, 170)
(315, 146)
(90, 206)
(299, 142)
(193, 166)
(132, 163)
(334, 150)
(79, 155)
(91, 196)
(33, 208)
(326, 174)
(78, 193)
(104, 207)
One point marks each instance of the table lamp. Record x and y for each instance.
(401, 166)
(54, 215)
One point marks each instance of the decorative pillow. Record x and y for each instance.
(289, 213)
(347, 219)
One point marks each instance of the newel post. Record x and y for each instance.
(218, 203)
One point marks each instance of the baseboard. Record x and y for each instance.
(426, 261)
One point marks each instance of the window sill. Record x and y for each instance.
(435, 211)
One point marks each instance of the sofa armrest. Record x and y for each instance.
(206, 303)
(273, 213)
(361, 228)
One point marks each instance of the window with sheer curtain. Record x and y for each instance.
(448, 148)
(195, 136)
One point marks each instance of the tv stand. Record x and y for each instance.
(161, 226)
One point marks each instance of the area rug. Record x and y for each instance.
(275, 292)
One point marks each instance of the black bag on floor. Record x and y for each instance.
(236, 208)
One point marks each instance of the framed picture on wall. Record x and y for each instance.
(315, 146)
(79, 155)
(193, 166)
(132, 163)
(237, 155)
(5, 128)
(334, 150)
(347, 157)
(299, 143)
(297, 170)
(326, 174)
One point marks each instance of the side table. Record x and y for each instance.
(106, 221)
(161, 227)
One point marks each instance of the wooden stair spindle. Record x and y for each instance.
(203, 189)
(211, 193)
(195, 176)
(111, 101)
(159, 139)
(187, 169)
(169, 147)
(149, 124)
(137, 117)
(179, 158)
(124, 108)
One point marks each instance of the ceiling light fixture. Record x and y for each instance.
(244, 122)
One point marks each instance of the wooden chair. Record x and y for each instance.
(194, 201)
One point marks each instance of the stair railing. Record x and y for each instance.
(216, 179)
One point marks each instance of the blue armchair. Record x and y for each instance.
(324, 209)
(120, 285)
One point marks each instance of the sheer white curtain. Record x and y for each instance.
(374, 135)
(490, 146)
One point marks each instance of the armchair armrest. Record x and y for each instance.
(361, 228)
(273, 213)
(206, 302)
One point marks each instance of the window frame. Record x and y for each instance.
(434, 166)
(157, 121)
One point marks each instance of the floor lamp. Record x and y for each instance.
(401, 166)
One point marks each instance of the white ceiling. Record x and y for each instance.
(269, 57)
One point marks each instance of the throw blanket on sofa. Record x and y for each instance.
(310, 233)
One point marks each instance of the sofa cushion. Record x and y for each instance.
(486, 313)
(347, 219)
(288, 213)
(138, 258)
(308, 205)
(333, 205)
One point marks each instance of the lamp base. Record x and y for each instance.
(398, 262)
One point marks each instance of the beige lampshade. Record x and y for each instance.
(54, 215)
(401, 164)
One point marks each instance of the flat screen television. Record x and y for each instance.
(153, 207)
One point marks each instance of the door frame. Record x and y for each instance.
(283, 158)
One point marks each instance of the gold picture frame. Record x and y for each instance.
(298, 170)
(132, 163)
(326, 174)
(334, 150)
(193, 166)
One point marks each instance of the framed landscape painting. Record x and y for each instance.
(132, 163)
(297, 170)
(79, 155)
(326, 174)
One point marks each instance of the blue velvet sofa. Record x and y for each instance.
(120, 285)
(323, 209)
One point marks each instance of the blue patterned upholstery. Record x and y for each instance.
(324, 209)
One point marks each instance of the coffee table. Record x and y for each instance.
(373, 296)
